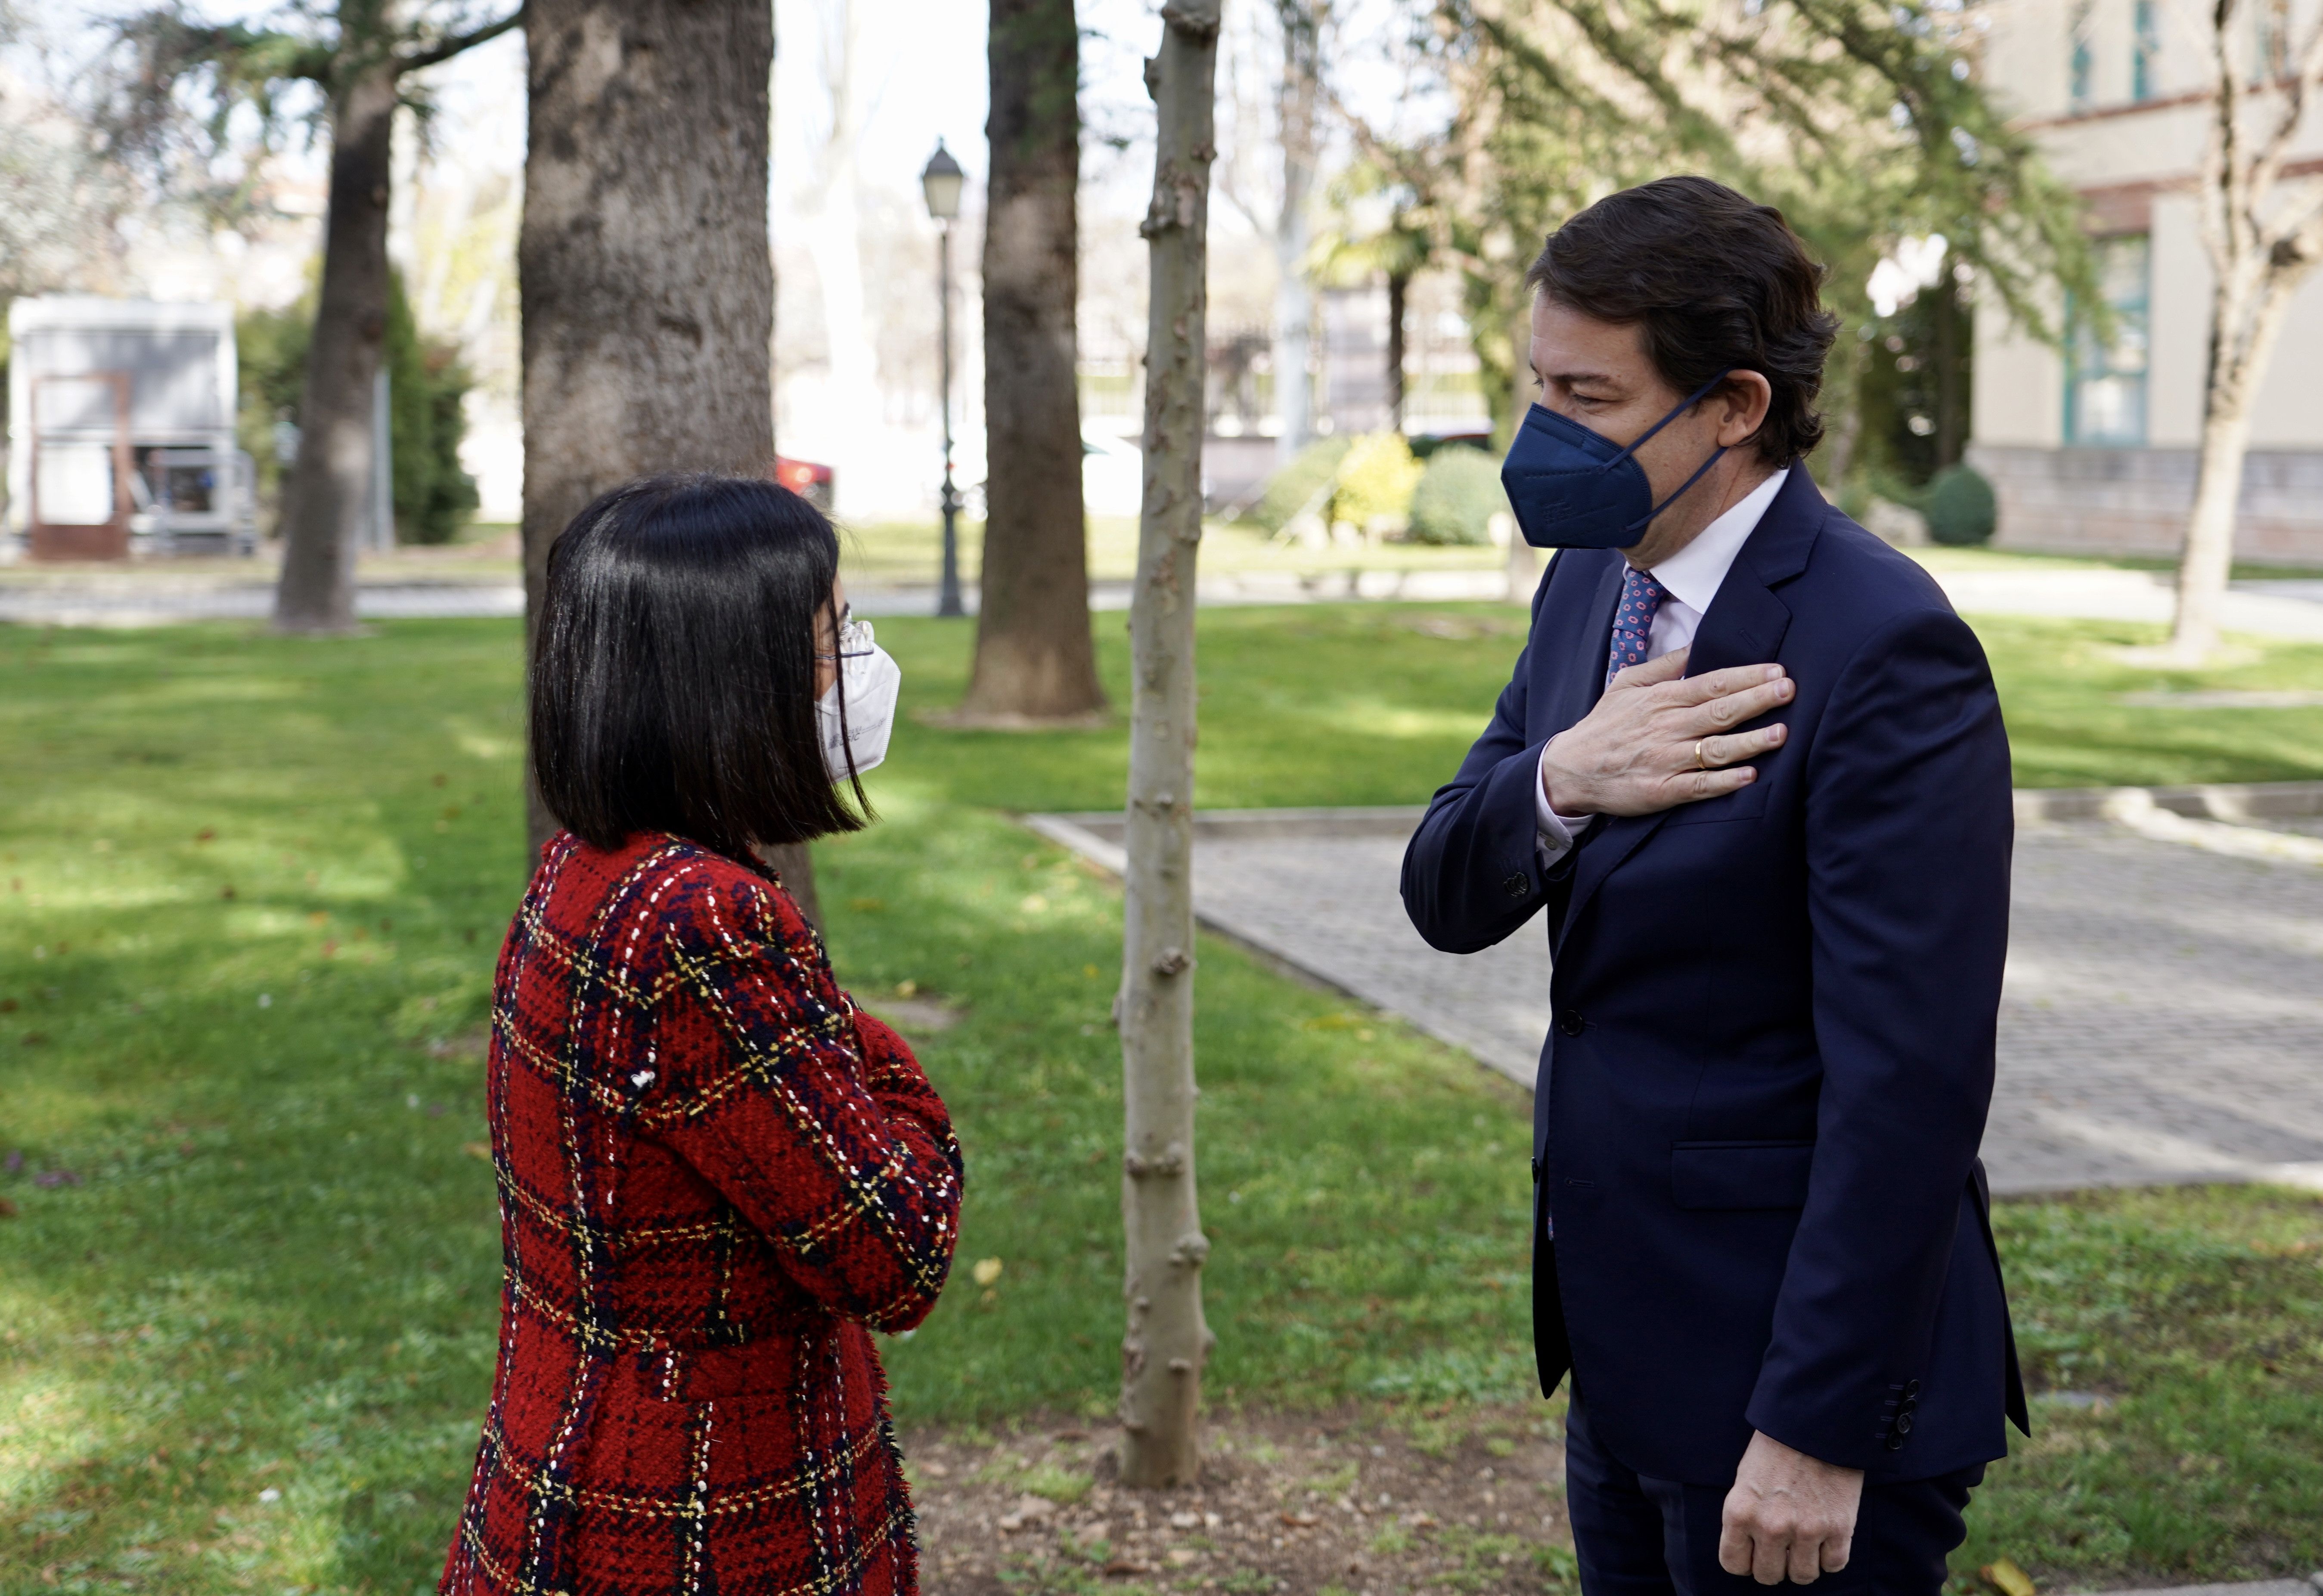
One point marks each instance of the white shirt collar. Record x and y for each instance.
(1695, 573)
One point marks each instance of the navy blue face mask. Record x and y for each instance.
(1572, 488)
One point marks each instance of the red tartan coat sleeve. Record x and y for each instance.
(811, 1118)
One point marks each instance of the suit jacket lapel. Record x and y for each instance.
(1745, 626)
(1573, 678)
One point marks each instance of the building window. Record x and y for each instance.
(2105, 387)
(2148, 51)
(2084, 58)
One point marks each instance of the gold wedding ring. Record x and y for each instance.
(1699, 762)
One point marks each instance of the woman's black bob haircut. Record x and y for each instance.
(673, 668)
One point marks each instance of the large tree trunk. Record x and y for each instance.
(643, 265)
(1166, 1342)
(327, 503)
(1034, 656)
(1294, 296)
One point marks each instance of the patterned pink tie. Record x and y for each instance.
(1633, 622)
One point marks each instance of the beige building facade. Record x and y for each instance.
(2093, 448)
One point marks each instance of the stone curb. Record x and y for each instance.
(2231, 802)
(2310, 1586)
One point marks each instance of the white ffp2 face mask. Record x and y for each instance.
(871, 681)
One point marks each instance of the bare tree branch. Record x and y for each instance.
(444, 50)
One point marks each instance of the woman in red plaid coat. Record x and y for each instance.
(717, 1175)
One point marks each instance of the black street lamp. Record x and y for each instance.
(943, 182)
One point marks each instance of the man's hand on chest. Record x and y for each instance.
(1656, 739)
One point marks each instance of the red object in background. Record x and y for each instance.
(804, 477)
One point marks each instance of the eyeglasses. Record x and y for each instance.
(854, 637)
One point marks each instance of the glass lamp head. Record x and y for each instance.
(942, 181)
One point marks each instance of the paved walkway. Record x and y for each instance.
(2162, 1020)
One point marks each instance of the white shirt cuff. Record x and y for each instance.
(1555, 831)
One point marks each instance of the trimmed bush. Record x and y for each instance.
(1376, 480)
(1292, 486)
(1961, 508)
(1457, 498)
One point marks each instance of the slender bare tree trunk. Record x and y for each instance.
(834, 243)
(1399, 289)
(1294, 296)
(1952, 391)
(2244, 326)
(1167, 1342)
(326, 502)
(643, 266)
(2261, 245)
(1035, 660)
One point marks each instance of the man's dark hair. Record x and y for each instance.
(1715, 281)
(673, 671)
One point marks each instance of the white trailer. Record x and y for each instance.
(121, 430)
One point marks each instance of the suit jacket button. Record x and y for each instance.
(1904, 1423)
(1519, 885)
(1911, 1388)
(1570, 1022)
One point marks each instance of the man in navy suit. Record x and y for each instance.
(1751, 768)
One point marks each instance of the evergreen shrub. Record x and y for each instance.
(1961, 508)
(426, 384)
(1457, 498)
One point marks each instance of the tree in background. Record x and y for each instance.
(647, 130)
(1304, 26)
(2264, 235)
(181, 87)
(57, 203)
(1864, 122)
(1373, 233)
(1166, 1343)
(426, 384)
(1034, 658)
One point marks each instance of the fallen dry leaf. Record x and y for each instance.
(483, 1149)
(2004, 1576)
(986, 1271)
(7, 1209)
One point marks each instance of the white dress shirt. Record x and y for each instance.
(1692, 576)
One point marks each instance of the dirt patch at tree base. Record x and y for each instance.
(1341, 1503)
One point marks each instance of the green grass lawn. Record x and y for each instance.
(252, 888)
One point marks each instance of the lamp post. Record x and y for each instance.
(941, 181)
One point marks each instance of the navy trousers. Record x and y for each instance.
(1640, 1536)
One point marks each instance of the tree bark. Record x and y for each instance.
(1399, 289)
(1034, 659)
(1951, 390)
(2246, 324)
(643, 263)
(1166, 1343)
(2207, 558)
(327, 500)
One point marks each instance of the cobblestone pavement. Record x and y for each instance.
(2162, 1021)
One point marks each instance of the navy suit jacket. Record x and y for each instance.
(1772, 1042)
